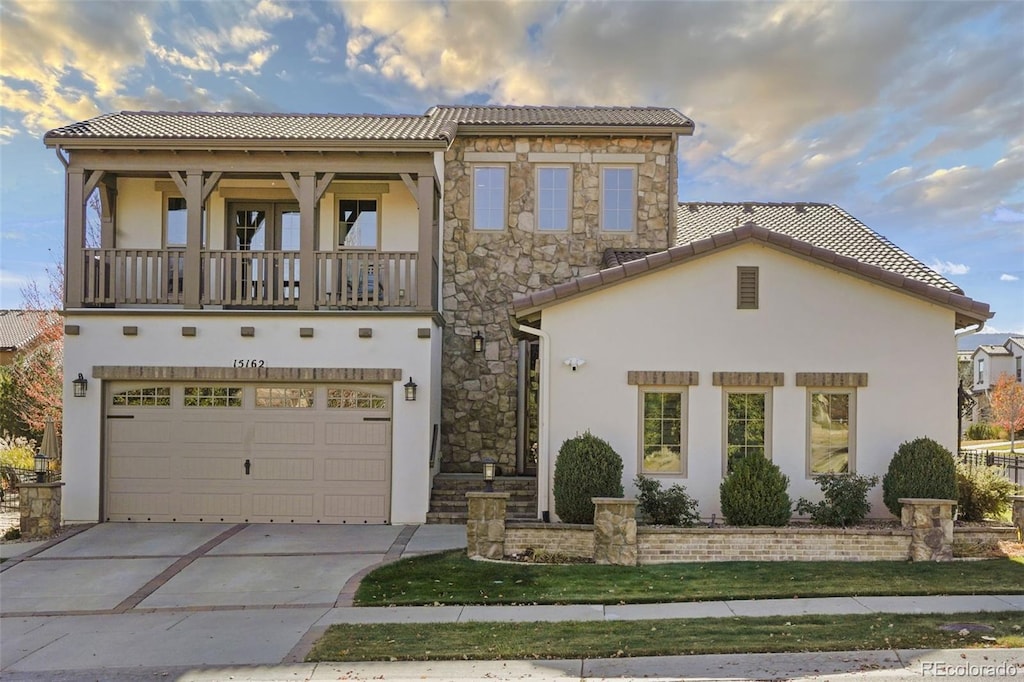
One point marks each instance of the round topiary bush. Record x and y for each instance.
(754, 494)
(920, 468)
(586, 467)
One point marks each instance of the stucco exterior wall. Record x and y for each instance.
(395, 344)
(811, 319)
(485, 270)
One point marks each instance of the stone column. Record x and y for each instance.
(40, 509)
(1018, 515)
(485, 528)
(614, 531)
(931, 523)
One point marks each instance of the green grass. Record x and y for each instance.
(450, 641)
(451, 578)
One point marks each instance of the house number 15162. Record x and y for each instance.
(248, 363)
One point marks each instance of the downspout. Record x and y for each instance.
(543, 467)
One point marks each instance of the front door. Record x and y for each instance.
(270, 233)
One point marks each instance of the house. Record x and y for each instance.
(281, 320)
(21, 331)
(768, 328)
(988, 363)
(317, 318)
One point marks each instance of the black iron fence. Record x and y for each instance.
(1012, 465)
(10, 480)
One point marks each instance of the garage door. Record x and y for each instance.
(260, 453)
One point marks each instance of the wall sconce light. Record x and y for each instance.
(574, 363)
(81, 386)
(410, 390)
(489, 470)
(478, 342)
(42, 466)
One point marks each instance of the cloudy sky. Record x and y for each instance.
(909, 115)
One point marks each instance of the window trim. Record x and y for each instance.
(980, 371)
(568, 196)
(504, 167)
(851, 457)
(684, 435)
(633, 197)
(768, 392)
(345, 196)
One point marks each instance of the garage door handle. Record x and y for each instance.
(247, 465)
(120, 416)
(376, 419)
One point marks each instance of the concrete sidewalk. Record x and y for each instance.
(210, 602)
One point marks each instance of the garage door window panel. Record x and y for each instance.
(213, 396)
(352, 399)
(284, 397)
(146, 396)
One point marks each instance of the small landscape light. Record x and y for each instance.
(81, 385)
(42, 465)
(489, 468)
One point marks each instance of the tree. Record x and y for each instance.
(1008, 406)
(38, 373)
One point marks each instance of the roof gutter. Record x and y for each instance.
(964, 332)
(60, 156)
(543, 410)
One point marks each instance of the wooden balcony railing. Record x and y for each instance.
(256, 279)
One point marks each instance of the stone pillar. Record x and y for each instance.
(931, 523)
(1018, 515)
(40, 509)
(485, 528)
(614, 531)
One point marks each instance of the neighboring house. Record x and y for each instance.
(309, 318)
(988, 363)
(21, 331)
(769, 328)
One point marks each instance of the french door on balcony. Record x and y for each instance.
(267, 236)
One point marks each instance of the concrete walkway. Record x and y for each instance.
(211, 602)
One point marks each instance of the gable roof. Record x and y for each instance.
(19, 328)
(992, 351)
(251, 127)
(823, 225)
(967, 310)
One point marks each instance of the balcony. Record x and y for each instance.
(343, 280)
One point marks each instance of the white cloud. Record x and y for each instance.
(1008, 278)
(321, 47)
(948, 268)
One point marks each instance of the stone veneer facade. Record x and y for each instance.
(485, 270)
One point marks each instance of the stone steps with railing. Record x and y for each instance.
(448, 496)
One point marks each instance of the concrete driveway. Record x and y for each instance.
(124, 595)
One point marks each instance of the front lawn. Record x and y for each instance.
(481, 641)
(452, 578)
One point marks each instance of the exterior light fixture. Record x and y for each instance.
(489, 468)
(42, 465)
(478, 342)
(410, 390)
(81, 385)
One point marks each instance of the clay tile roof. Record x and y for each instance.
(165, 125)
(823, 225)
(19, 328)
(995, 350)
(561, 116)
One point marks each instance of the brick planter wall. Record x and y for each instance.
(568, 539)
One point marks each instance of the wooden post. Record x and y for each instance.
(193, 238)
(307, 240)
(74, 235)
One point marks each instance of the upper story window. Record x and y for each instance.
(358, 225)
(176, 223)
(618, 198)
(489, 203)
(553, 198)
(981, 371)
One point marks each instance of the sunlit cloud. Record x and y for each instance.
(1005, 277)
(948, 268)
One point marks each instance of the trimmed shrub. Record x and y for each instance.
(982, 492)
(671, 507)
(754, 494)
(845, 503)
(920, 468)
(586, 467)
(981, 431)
